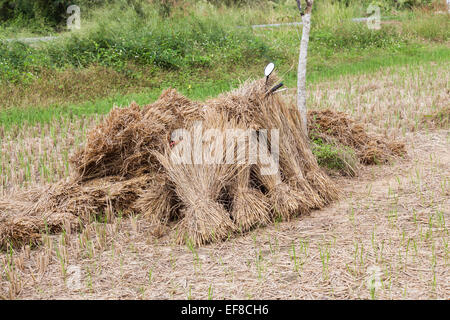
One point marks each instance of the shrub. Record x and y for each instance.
(335, 157)
(121, 36)
(386, 4)
(52, 11)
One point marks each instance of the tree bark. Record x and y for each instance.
(303, 56)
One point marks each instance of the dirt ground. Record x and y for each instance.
(387, 238)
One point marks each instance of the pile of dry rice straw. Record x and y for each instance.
(128, 165)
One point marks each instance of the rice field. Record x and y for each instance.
(386, 238)
(392, 102)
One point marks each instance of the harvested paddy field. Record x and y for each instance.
(386, 237)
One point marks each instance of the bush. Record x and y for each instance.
(51, 11)
(411, 3)
(181, 43)
(433, 28)
(335, 157)
(356, 36)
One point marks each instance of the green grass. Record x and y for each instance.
(118, 35)
(203, 88)
(18, 116)
(373, 60)
(199, 51)
(335, 157)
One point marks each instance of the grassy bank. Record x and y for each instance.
(121, 54)
(202, 88)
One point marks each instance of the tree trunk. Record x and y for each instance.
(303, 56)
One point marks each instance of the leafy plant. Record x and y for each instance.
(335, 157)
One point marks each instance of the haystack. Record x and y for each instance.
(69, 205)
(199, 180)
(299, 185)
(250, 206)
(124, 142)
(134, 162)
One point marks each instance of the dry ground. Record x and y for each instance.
(391, 224)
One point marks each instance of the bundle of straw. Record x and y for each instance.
(131, 165)
(293, 164)
(158, 203)
(370, 148)
(124, 143)
(71, 205)
(305, 175)
(199, 186)
(250, 206)
(22, 229)
(301, 185)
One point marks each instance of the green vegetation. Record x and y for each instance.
(335, 157)
(132, 50)
(122, 39)
(197, 87)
